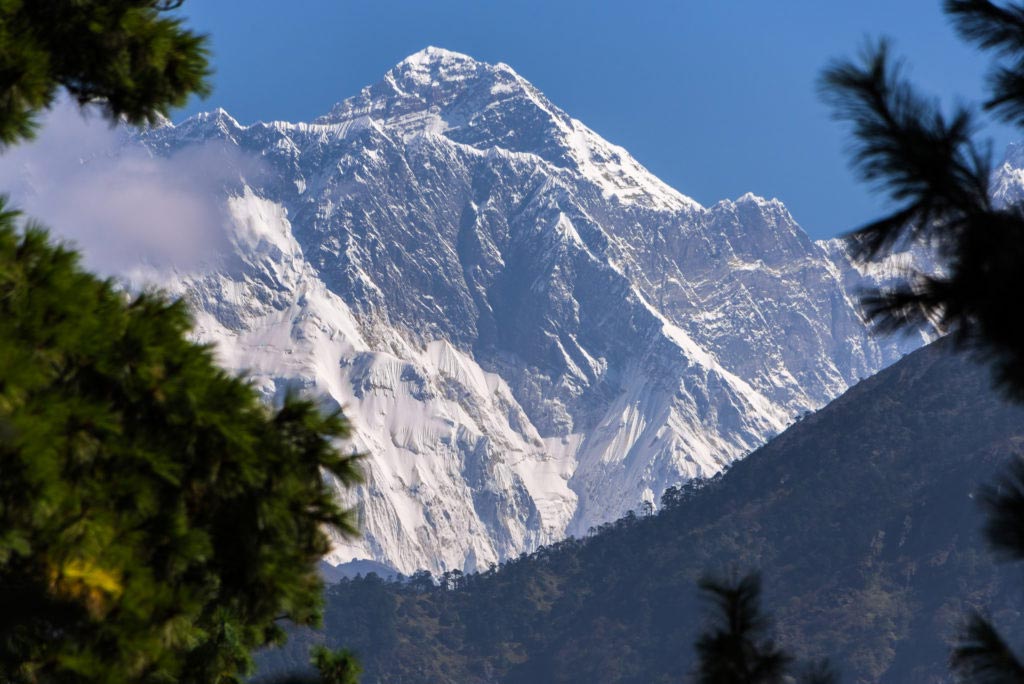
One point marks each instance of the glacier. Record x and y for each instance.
(531, 333)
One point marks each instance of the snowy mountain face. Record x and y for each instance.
(530, 332)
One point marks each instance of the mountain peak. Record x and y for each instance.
(433, 80)
(491, 107)
(431, 55)
(448, 64)
(438, 76)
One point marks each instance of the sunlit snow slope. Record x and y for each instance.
(531, 333)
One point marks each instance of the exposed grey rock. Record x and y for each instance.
(531, 333)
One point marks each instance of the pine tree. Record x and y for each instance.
(336, 667)
(736, 649)
(132, 57)
(157, 522)
(332, 667)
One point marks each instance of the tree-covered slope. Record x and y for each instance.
(860, 517)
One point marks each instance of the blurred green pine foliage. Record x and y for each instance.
(157, 522)
(132, 57)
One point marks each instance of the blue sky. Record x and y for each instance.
(717, 97)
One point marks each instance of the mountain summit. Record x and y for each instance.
(531, 333)
(489, 107)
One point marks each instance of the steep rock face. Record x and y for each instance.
(531, 332)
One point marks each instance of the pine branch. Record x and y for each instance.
(906, 147)
(988, 25)
(1000, 29)
(938, 179)
(735, 649)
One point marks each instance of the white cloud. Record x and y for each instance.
(125, 209)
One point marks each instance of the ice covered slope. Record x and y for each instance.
(531, 333)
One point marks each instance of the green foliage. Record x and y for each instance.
(332, 667)
(128, 56)
(157, 522)
(336, 667)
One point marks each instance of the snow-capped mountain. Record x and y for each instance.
(531, 333)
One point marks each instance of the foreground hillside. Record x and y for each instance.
(861, 518)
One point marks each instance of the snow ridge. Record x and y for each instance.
(531, 333)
